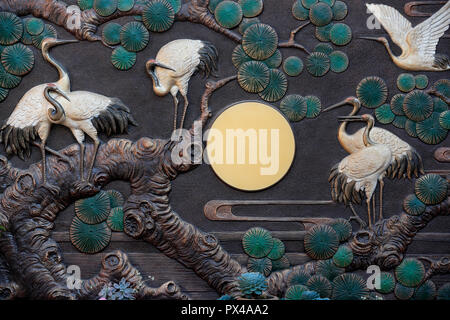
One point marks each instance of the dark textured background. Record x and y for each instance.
(317, 147)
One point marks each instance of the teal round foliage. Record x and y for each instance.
(444, 119)
(320, 14)
(228, 14)
(94, 209)
(372, 92)
(427, 291)
(11, 28)
(238, 57)
(176, 5)
(384, 114)
(115, 219)
(49, 32)
(277, 87)
(410, 272)
(34, 26)
(298, 276)
(251, 8)
(257, 242)
(247, 22)
(410, 128)
(406, 82)
(85, 4)
(418, 105)
(321, 285)
(3, 93)
(439, 105)
(400, 122)
(323, 33)
(444, 292)
(349, 286)
(299, 11)
(295, 292)
(442, 86)
(421, 81)
(321, 242)
(431, 189)
(260, 41)
(317, 64)
(213, 5)
(280, 264)
(293, 66)
(8, 80)
(430, 130)
(252, 284)
(105, 7)
(324, 48)
(343, 256)
(294, 107)
(328, 2)
(115, 198)
(340, 34)
(413, 206)
(89, 238)
(387, 283)
(127, 5)
(308, 3)
(402, 292)
(328, 269)
(253, 76)
(17, 59)
(263, 265)
(313, 107)
(111, 33)
(158, 16)
(277, 251)
(134, 36)
(339, 10)
(26, 37)
(338, 61)
(123, 59)
(397, 104)
(310, 295)
(274, 61)
(342, 227)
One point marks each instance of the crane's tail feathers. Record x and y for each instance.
(114, 119)
(408, 166)
(343, 190)
(441, 61)
(208, 59)
(18, 140)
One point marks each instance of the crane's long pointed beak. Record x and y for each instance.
(337, 105)
(152, 62)
(369, 38)
(350, 118)
(59, 91)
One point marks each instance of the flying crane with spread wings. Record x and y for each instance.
(418, 44)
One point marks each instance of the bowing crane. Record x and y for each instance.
(406, 162)
(360, 172)
(174, 65)
(418, 44)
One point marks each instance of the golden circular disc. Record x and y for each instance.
(250, 146)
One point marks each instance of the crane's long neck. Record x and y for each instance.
(388, 48)
(343, 136)
(64, 80)
(366, 137)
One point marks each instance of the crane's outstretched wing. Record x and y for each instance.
(393, 22)
(425, 36)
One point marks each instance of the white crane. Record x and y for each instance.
(406, 162)
(175, 64)
(361, 171)
(418, 44)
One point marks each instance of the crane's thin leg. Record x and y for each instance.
(91, 167)
(356, 217)
(175, 113)
(53, 152)
(186, 103)
(374, 210)
(44, 162)
(381, 198)
(82, 148)
(368, 212)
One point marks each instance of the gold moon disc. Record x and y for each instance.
(250, 146)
